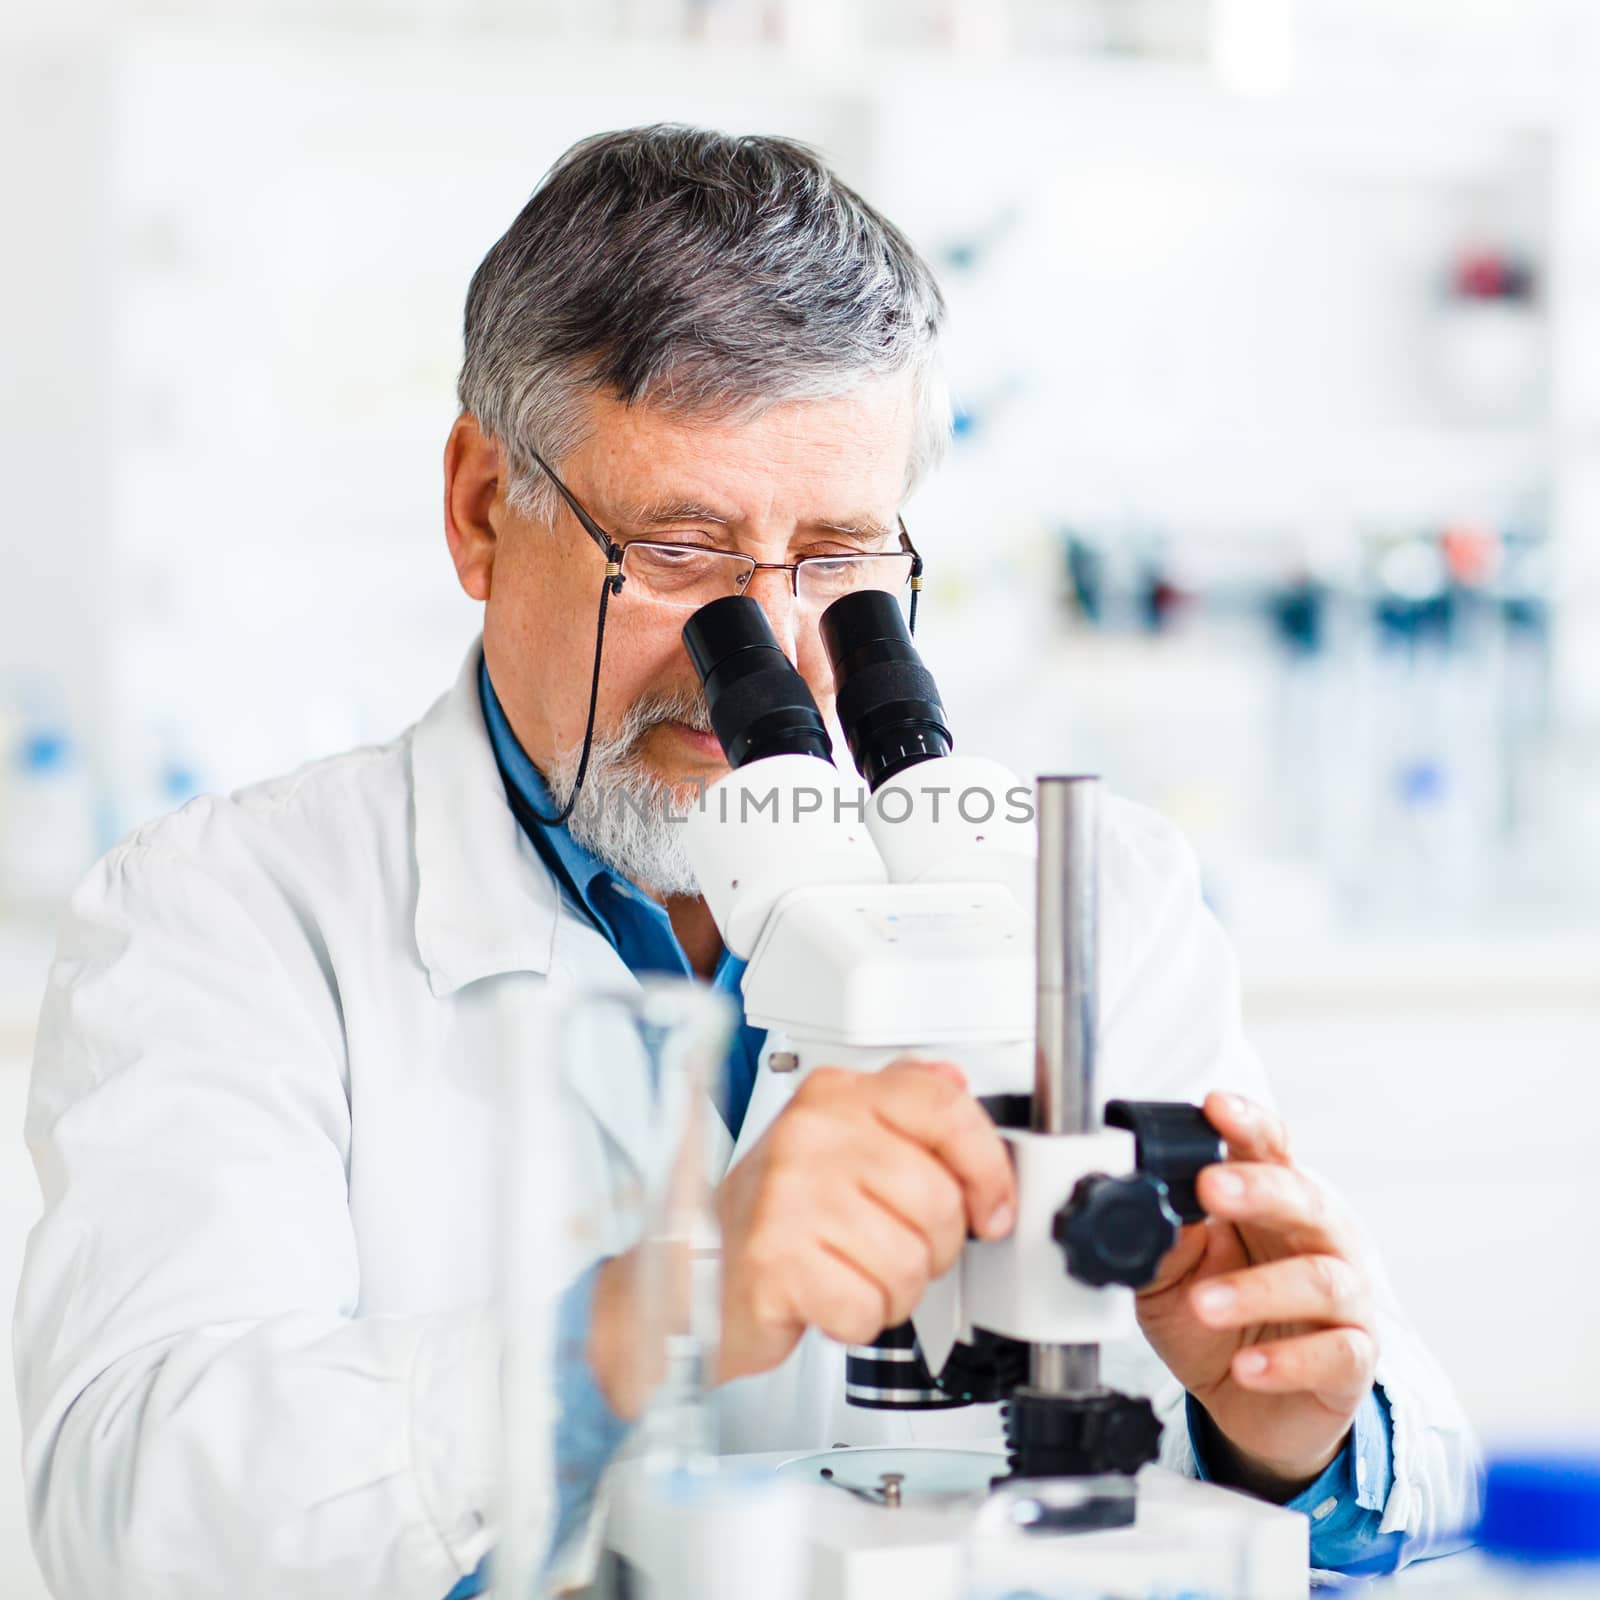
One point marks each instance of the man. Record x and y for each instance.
(254, 1343)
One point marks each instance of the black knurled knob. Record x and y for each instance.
(1173, 1142)
(1079, 1436)
(1116, 1230)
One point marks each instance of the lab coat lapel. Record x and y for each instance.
(488, 907)
(486, 903)
(603, 1059)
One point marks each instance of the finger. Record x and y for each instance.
(1252, 1132)
(1337, 1365)
(1317, 1288)
(1276, 1198)
(833, 1294)
(930, 1109)
(923, 1193)
(1178, 1263)
(891, 1255)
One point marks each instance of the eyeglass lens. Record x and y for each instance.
(679, 575)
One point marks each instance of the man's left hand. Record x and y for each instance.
(1264, 1312)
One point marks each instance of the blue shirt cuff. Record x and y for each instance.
(1345, 1504)
(588, 1431)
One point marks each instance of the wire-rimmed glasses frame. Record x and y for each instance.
(616, 553)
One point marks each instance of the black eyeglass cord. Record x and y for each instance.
(611, 586)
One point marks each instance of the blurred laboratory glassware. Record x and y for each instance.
(1539, 1538)
(49, 815)
(1399, 763)
(660, 1046)
(1488, 340)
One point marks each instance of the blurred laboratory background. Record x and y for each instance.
(1274, 494)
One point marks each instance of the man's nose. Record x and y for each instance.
(773, 590)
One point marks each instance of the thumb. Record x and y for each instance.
(1180, 1262)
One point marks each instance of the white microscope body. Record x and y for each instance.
(903, 922)
(887, 925)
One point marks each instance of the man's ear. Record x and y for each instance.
(472, 503)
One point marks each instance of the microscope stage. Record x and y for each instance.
(1189, 1538)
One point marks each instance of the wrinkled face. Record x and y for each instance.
(805, 478)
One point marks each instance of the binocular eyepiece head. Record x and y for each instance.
(760, 705)
(888, 702)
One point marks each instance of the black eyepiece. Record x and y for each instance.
(760, 705)
(888, 702)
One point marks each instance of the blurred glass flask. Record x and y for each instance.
(49, 825)
(685, 1527)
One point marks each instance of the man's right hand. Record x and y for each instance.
(861, 1192)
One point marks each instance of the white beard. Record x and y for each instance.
(624, 815)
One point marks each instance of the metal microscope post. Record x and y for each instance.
(1064, 1092)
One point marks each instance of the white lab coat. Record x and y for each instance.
(254, 1350)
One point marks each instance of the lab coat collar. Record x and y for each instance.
(486, 904)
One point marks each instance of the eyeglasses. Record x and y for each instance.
(688, 576)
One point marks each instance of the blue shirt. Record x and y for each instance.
(1345, 1505)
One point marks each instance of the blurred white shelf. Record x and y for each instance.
(1444, 130)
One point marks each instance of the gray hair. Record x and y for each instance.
(710, 274)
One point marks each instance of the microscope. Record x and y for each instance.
(940, 908)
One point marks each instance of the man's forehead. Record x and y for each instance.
(872, 402)
(836, 464)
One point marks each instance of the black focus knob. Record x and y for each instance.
(1080, 1436)
(1116, 1230)
(1173, 1142)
